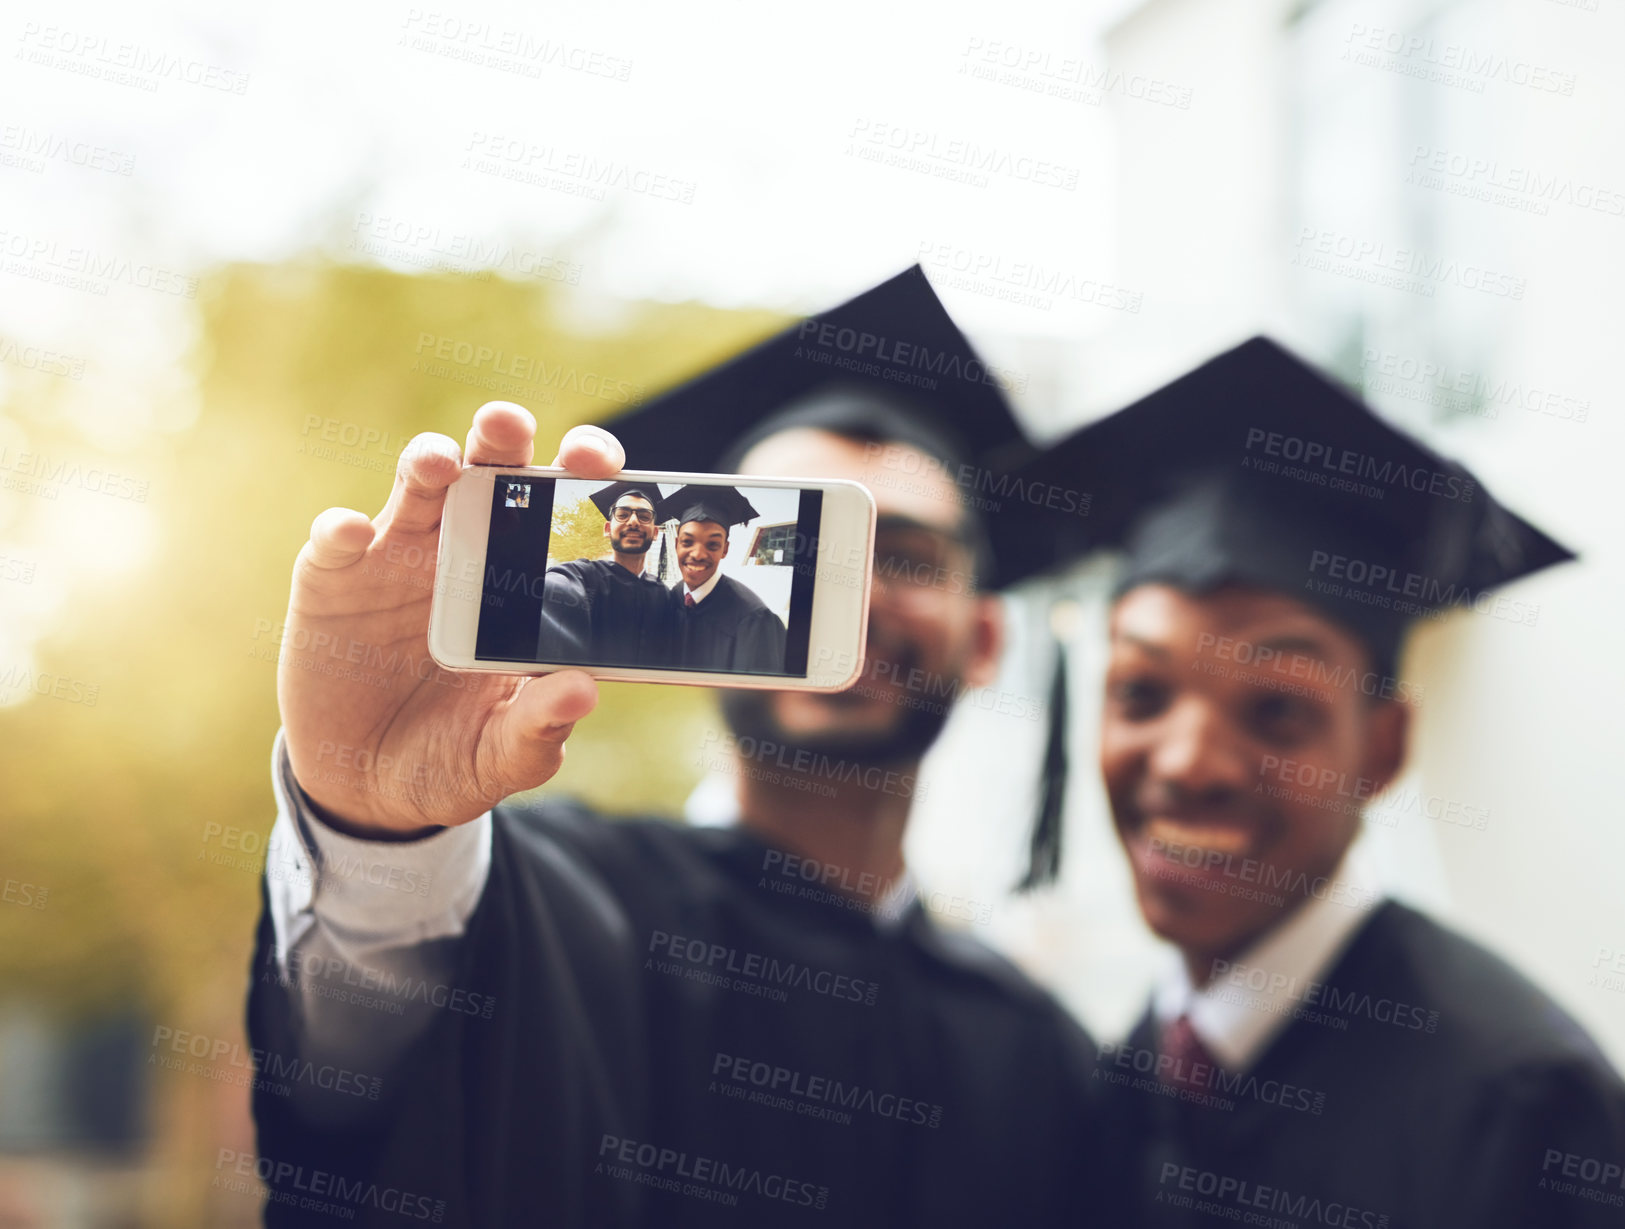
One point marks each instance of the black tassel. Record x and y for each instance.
(1044, 851)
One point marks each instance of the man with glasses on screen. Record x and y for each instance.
(753, 1024)
(610, 612)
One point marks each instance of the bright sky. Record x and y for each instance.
(743, 146)
(731, 153)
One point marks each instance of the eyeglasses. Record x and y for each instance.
(914, 563)
(643, 515)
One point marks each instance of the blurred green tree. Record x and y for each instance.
(143, 815)
(578, 532)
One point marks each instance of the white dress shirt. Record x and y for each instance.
(1242, 1009)
(333, 895)
(704, 591)
(356, 898)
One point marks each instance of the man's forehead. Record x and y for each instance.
(1156, 615)
(904, 479)
(632, 497)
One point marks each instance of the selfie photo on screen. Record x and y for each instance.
(696, 577)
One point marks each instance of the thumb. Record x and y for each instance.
(530, 729)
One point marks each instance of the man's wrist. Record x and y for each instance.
(376, 893)
(362, 831)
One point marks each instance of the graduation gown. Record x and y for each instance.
(730, 630)
(685, 1036)
(1428, 1084)
(526, 1049)
(595, 612)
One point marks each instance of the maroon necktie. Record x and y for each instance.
(688, 599)
(1190, 1066)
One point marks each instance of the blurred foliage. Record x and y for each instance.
(578, 532)
(144, 815)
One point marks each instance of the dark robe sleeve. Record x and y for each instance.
(662, 615)
(1085, 1172)
(596, 613)
(633, 620)
(1545, 1146)
(759, 644)
(565, 633)
(526, 1056)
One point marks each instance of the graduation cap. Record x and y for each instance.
(605, 498)
(724, 505)
(888, 365)
(1256, 469)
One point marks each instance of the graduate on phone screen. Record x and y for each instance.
(721, 624)
(611, 612)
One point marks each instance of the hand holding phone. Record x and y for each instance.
(387, 743)
(715, 580)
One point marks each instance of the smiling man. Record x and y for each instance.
(575, 1020)
(610, 612)
(1194, 813)
(721, 624)
(1320, 1054)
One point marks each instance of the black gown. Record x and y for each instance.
(684, 1035)
(595, 612)
(526, 1049)
(732, 629)
(1425, 1083)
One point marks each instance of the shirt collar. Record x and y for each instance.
(704, 591)
(1233, 1018)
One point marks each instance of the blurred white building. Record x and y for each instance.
(1424, 199)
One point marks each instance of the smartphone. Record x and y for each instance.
(713, 580)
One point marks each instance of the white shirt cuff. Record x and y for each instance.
(369, 895)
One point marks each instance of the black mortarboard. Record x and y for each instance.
(605, 498)
(1257, 469)
(722, 504)
(887, 365)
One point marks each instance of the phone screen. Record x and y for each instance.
(704, 576)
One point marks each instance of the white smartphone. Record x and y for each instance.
(711, 580)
